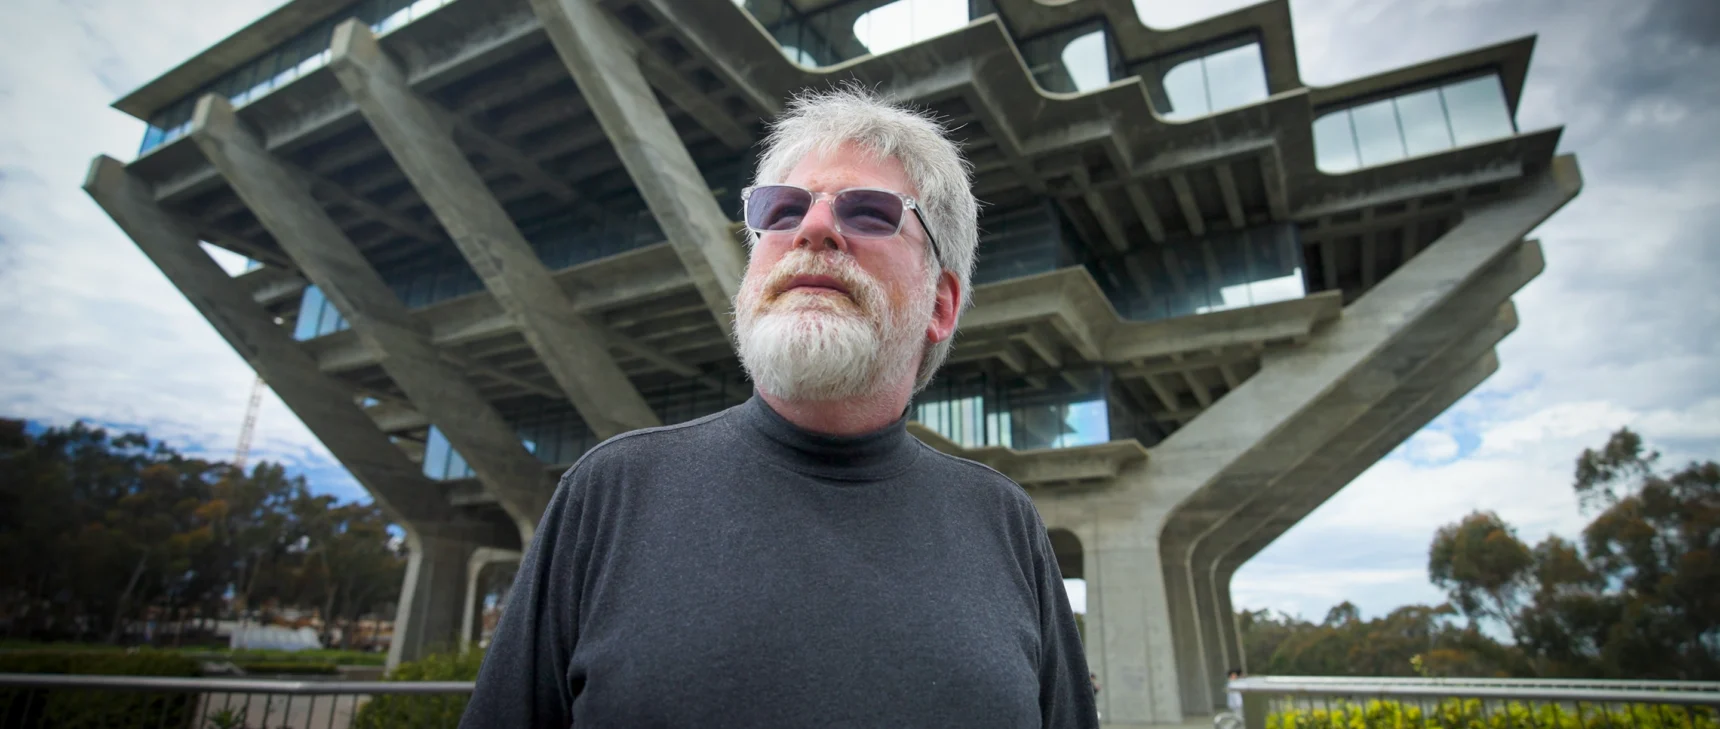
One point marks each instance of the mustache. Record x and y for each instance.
(803, 262)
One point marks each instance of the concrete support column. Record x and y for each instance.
(428, 618)
(481, 558)
(420, 136)
(608, 75)
(325, 405)
(282, 202)
(1300, 408)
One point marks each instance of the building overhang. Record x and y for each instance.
(1043, 467)
(249, 42)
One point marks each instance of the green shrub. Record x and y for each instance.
(297, 668)
(402, 711)
(77, 708)
(1470, 714)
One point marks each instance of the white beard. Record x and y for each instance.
(821, 347)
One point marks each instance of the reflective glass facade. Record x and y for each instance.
(1192, 84)
(554, 432)
(1221, 271)
(445, 275)
(306, 52)
(846, 30)
(1411, 124)
(1073, 60)
(979, 409)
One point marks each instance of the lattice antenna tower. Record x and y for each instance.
(242, 452)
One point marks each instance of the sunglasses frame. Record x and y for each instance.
(908, 203)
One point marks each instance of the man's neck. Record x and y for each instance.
(852, 416)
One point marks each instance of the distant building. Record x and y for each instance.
(491, 234)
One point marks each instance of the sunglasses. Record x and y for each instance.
(862, 212)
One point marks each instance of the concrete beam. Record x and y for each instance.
(1185, 201)
(418, 135)
(650, 149)
(1144, 209)
(1308, 484)
(1044, 466)
(283, 204)
(322, 403)
(1304, 397)
(1232, 201)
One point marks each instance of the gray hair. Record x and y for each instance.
(818, 122)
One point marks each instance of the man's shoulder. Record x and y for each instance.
(648, 445)
(973, 475)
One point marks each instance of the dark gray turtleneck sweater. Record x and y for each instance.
(738, 571)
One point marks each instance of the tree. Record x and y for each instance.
(1482, 566)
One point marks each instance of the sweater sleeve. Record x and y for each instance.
(1066, 699)
(524, 679)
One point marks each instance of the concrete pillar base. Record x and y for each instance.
(431, 600)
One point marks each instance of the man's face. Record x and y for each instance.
(824, 316)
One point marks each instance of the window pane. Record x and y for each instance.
(310, 313)
(1235, 77)
(906, 22)
(1086, 61)
(436, 454)
(1377, 135)
(330, 320)
(1185, 87)
(1477, 109)
(1423, 119)
(1335, 143)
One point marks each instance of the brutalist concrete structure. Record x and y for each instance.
(490, 234)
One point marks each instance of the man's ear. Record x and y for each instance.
(945, 307)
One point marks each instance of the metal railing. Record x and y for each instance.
(1284, 702)
(28, 701)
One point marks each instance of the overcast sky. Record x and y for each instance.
(1620, 330)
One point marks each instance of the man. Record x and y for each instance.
(800, 560)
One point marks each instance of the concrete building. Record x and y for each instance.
(490, 234)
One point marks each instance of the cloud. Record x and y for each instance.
(90, 328)
(1617, 331)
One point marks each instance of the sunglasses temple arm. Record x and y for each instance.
(936, 251)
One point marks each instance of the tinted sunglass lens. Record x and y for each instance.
(869, 212)
(777, 207)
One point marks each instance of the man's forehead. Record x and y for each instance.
(849, 165)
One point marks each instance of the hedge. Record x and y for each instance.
(403, 711)
(79, 708)
(298, 668)
(1470, 714)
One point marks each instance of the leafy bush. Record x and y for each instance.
(402, 711)
(298, 668)
(1470, 714)
(76, 708)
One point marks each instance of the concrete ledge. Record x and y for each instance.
(1043, 466)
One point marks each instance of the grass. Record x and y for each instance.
(316, 655)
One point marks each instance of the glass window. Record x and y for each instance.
(1087, 61)
(1185, 88)
(1234, 78)
(310, 314)
(1377, 135)
(799, 56)
(1477, 109)
(905, 22)
(1422, 116)
(457, 467)
(329, 321)
(436, 452)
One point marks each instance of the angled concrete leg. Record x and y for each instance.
(282, 202)
(604, 68)
(428, 617)
(481, 559)
(420, 136)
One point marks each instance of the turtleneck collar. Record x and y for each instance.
(868, 457)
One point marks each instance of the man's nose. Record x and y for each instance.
(818, 228)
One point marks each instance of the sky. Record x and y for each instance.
(1619, 330)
